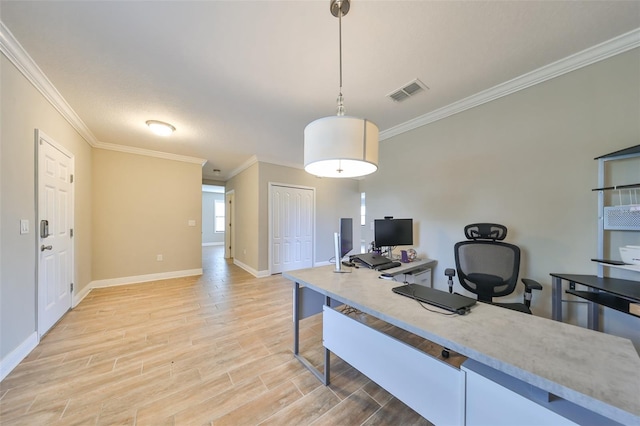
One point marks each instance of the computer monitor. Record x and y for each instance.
(346, 236)
(393, 232)
(343, 241)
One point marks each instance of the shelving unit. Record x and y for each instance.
(603, 187)
(618, 294)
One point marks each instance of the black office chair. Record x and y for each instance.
(488, 267)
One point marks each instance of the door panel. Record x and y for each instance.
(292, 213)
(55, 205)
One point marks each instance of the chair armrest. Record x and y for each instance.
(531, 284)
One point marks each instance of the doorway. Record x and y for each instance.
(213, 215)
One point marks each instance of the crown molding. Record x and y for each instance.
(599, 52)
(149, 153)
(250, 162)
(14, 51)
(19, 57)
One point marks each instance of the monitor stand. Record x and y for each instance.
(336, 245)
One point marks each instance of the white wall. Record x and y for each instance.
(526, 161)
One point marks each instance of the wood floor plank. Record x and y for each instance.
(262, 407)
(353, 410)
(165, 407)
(396, 413)
(305, 410)
(210, 349)
(221, 404)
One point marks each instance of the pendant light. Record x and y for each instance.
(340, 146)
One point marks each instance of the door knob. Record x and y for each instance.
(43, 248)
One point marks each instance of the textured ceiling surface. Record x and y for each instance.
(240, 79)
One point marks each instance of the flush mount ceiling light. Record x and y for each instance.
(340, 146)
(160, 128)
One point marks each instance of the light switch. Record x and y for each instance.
(192, 222)
(24, 226)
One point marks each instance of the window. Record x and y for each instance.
(219, 216)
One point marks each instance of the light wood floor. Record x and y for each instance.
(214, 349)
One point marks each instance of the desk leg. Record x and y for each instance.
(324, 378)
(296, 318)
(593, 314)
(556, 299)
(327, 352)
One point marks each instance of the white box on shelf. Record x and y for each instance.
(630, 255)
(423, 278)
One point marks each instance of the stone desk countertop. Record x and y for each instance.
(594, 370)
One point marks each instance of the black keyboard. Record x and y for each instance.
(388, 266)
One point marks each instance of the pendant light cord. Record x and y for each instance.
(340, 43)
(340, 97)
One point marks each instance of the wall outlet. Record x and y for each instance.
(159, 258)
(191, 222)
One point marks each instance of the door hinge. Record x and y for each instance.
(71, 232)
(71, 178)
(71, 287)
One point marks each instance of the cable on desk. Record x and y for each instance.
(348, 310)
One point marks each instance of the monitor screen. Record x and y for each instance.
(346, 236)
(393, 232)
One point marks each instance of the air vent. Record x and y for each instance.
(410, 89)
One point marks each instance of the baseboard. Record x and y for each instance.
(220, 243)
(267, 273)
(11, 361)
(79, 296)
(112, 282)
(255, 273)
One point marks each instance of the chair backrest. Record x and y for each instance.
(485, 265)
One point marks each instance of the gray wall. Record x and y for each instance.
(23, 109)
(139, 214)
(245, 231)
(103, 209)
(335, 198)
(526, 161)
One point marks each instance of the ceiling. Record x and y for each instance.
(241, 79)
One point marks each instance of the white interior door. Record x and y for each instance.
(55, 224)
(291, 228)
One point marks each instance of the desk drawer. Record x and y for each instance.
(431, 387)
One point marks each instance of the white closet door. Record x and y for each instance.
(292, 215)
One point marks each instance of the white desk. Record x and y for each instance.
(590, 369)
